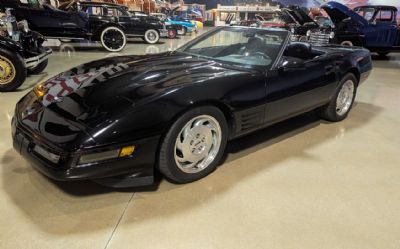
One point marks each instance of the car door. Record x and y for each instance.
(137, 24)
(382, 31)
(298, 85)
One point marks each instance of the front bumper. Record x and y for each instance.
(33, 62)
(136, 170)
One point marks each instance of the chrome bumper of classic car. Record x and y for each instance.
(62, 166)
(319, 38)
(163, 32)
(33, 62)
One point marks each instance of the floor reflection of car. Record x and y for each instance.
(108, 23)
(119, 120)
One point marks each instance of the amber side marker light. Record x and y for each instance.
(127, 151)
(40, 90)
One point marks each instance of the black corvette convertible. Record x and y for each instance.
(118, 120)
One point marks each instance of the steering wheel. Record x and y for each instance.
(264, 55)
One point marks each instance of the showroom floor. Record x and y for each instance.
(303, 183)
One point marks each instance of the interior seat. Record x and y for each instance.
(299, 50)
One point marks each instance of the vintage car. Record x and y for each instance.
(110, 24)
(373, 27)
(119, 120)
(187, 26)
(169, 30)
(21, 52)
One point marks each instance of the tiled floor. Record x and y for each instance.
(303, 183)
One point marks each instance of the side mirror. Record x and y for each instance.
(289, 64)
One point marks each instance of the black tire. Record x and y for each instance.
(17, 66)
(39, 68)
(113, 39)
(172, 33)
(151, 36)
(330, 111)
(167, 153)
(383, 54)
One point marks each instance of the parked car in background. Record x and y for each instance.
(123, 119)
(374, 27)
(21, 52)
(187, 26)
(292, 18)
(107, 23)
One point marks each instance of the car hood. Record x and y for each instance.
(96, 91)
(338, 12)
(298, 14)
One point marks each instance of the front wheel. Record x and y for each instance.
(383, 54)
(12, 70)
(39, 68)
(347, 43)
(194, 145)
(172, 33)
(151, 36)
(113, 39)
(342, 102)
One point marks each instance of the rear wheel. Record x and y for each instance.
(342, 102)
(194, 145)
(113, 39)
(12, 70)
(151, 36)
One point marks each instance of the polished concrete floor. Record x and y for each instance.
(303, 183)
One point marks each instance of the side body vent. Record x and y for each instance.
(250, 119)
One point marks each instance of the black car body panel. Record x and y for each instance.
(133, 100)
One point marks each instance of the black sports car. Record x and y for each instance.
(118, 120)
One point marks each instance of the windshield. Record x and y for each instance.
(367, 13)
(245, 46)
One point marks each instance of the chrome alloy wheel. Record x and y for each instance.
(197, 144)
(345, 98)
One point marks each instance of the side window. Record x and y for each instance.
(115, 12)
(93, 10)
(384, 16)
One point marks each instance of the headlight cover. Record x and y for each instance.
(106, 155)
(332, 35)
(308, 33)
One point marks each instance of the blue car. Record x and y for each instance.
(188, 26)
